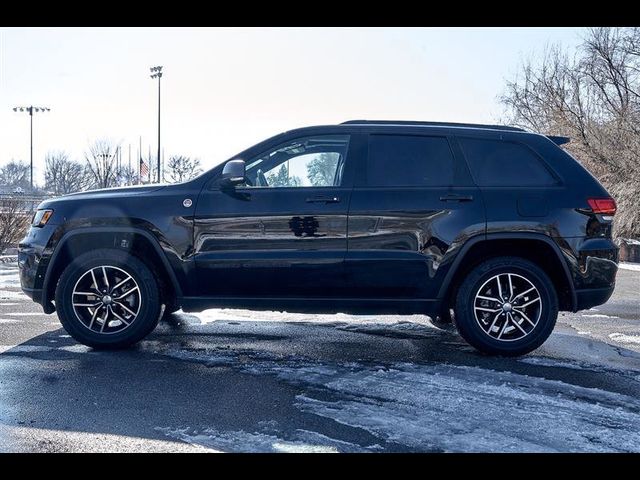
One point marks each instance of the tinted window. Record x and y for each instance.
(316, 161)
(504, 164)
(398, 161)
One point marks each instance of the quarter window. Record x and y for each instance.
(504, 164)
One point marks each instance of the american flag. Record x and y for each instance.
(144, 170)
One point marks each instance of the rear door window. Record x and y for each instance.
(409, 161)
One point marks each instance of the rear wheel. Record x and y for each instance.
(107, 299)
(506, 306)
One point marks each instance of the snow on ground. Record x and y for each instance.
(390, 325)
(303, 441)
(9, 275)
(65, 441)
(341, 320)
(454, 408)
(622, 338)
(12, 295)
(443, 408)
(437, 407)
(9, 279)
(586, 352)
(629, 266)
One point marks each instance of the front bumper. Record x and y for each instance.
(32, 293)
(33, 259)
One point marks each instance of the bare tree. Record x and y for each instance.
(321, 171)
(102, 163)
(63, 175)
(180, 168)
(14, 220)
(15, 174)
(127, 175)
(592, 96)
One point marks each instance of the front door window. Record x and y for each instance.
(315, 161)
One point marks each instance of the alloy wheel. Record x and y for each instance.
(106, 299)
(507, 307)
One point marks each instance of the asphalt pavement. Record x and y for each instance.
(241, 381)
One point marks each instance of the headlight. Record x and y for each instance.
(41, 217)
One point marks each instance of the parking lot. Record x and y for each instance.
(241, 381)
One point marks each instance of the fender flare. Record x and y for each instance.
(84, 230)
(444, 288)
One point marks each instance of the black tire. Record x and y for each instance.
(470, 328)
(149, 309)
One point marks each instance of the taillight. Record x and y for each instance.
(605, 206)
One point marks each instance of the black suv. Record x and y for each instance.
(492, 227)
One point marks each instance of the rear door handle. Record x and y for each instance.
(456, 198)
(323, 199)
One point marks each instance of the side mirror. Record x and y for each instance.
(233, 173)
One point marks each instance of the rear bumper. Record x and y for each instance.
(590, 297)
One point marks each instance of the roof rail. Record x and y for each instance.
(432, 124)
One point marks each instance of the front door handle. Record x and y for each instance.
(323, 199)
(456, 198)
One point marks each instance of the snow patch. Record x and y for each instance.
(550, 362)
(76, 348)
(302, 441)
(228, 314)
(9, 277)
(12, 295)
(622, 338)
(629, 266)
(8, 320)
(24, 348)
(586, 350)
(25, 314)
(598, 315)
(402, 328)
(470, 409)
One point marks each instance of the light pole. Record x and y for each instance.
(30, 110)
(156, 72)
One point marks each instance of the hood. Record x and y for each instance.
(103, 193)
(118, 191)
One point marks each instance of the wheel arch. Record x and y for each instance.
(539, 248)
(134, 241)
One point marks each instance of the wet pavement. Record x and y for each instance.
(241, 381)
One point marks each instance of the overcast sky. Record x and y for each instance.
(225, 89)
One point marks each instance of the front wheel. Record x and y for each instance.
(107, 299)
(506, 306)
